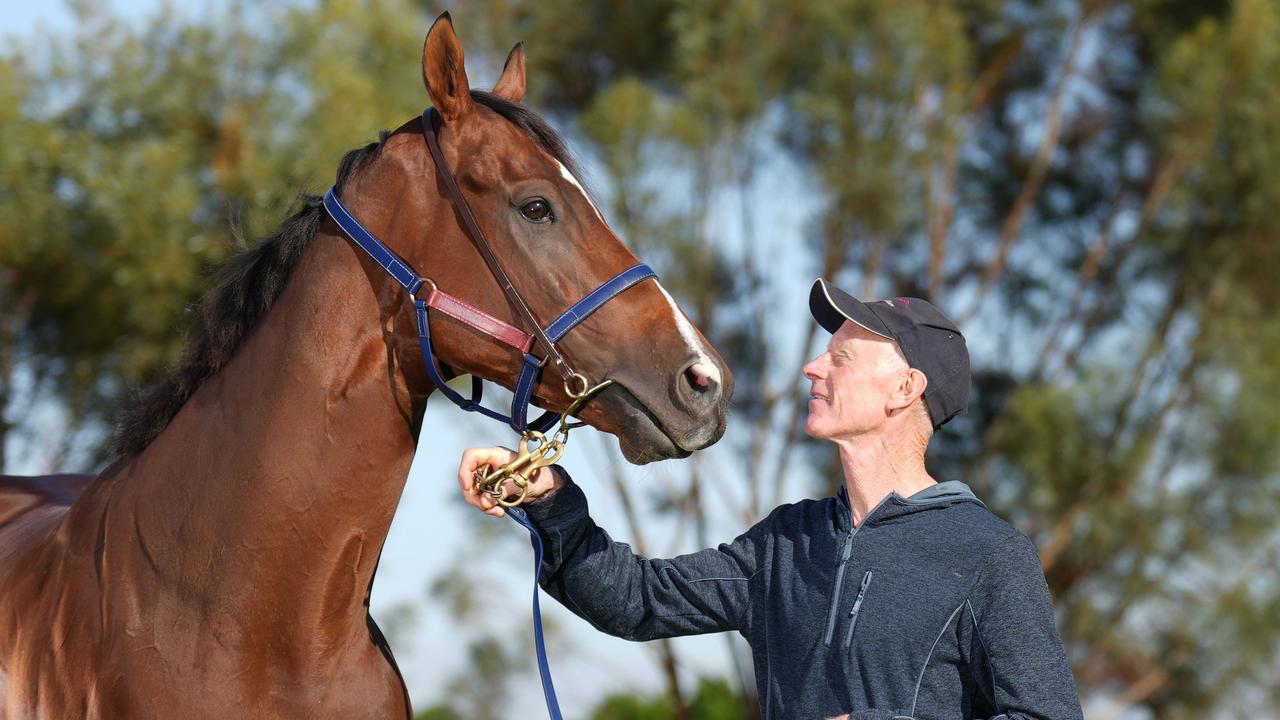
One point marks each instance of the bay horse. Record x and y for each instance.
(222, 564)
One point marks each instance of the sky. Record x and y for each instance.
(26, 17)
(21, 18)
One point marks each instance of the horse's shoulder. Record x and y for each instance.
(22, 494)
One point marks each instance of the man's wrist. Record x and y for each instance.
(563, 505)
(558, 478)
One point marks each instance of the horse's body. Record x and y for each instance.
(229, 565)
(221, 567)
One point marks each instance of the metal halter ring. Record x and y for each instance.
(586, 385)
(413, 296)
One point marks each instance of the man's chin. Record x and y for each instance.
(813, 429)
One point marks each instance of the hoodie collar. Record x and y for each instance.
(940, 494)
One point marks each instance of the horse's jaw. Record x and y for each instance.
(644, 437)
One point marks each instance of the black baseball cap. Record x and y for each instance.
(931, 343)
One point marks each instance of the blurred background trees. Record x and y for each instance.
(1087, 186)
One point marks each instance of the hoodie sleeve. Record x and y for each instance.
(638, 598)
(1024, 671)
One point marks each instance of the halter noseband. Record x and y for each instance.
(576, 384)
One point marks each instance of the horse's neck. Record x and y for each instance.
(274, 487)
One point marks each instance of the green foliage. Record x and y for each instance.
(582, 47)
(439, 712)
(713, 700)
(630, 707)
(861, 121)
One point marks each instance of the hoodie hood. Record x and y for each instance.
(949, 491)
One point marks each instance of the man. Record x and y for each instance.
(900, 597)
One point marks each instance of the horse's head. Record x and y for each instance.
(670, 386)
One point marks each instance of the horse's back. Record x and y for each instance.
(30, 510)
(20, 495)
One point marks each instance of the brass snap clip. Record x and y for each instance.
(536, 452)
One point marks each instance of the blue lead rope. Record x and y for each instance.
(544, 668)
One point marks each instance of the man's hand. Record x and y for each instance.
(544, 483)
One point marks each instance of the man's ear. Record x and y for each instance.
(511, 85)
(444, 71)
(911, 386)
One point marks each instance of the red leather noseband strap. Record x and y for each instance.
(479, 320)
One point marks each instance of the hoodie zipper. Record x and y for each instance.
(844, 559)
(857, 605)
(835, 592)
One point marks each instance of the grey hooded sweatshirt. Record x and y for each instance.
(933, 608)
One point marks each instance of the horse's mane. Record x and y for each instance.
(244, 288)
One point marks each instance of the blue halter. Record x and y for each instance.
(531, 366)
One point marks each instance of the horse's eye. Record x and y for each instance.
(537, 210)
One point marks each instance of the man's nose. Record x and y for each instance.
(810, 369)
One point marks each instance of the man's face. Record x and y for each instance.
(851, 383)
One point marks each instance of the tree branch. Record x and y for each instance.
(1036, 173)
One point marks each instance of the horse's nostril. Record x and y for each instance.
(701, 376)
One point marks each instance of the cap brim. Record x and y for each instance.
(831, 307)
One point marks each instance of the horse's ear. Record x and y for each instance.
(511, 85)
(444, 71)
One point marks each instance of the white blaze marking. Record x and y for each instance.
(686, 329)
(690, 336)
(564, 172)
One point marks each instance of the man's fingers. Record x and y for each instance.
(466, 467)
(480, 459)
(466, 477)
(477, 458)
(485, 502)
